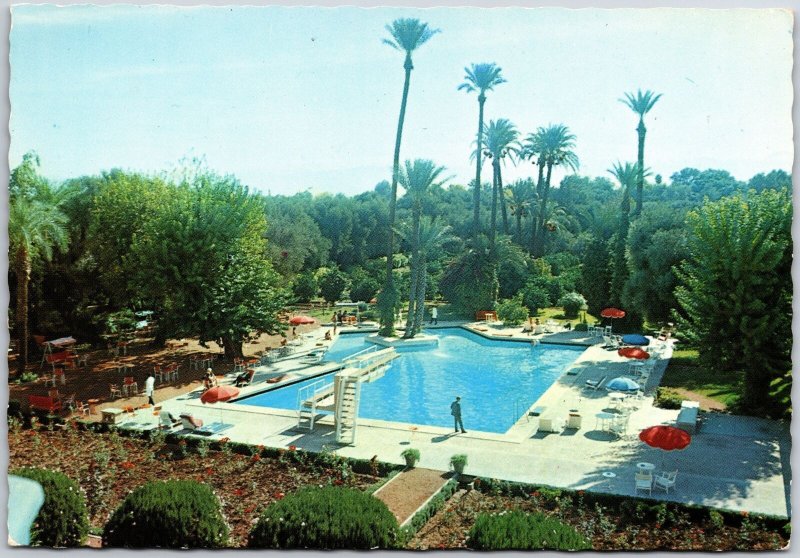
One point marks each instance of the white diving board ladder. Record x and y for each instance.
(343, 395)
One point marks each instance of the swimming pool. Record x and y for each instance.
(496, 380)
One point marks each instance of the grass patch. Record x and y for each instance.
(685, 372)
(557, 313)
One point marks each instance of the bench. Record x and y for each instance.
(687, 416)
(44, 403)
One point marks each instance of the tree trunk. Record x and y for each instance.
(543, 211)
(233, 347)
(641, 130)
(493, 220)
(411, 324)
(422, 280)
(23, 279)
(476, 196)
(518, 217)
(387, 324)
(534, 215)
(502, 200)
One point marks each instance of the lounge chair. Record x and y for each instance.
(245, 379)
(167, 421)
(594, 385)
(190, 423)
(665, 481)
(610, 342)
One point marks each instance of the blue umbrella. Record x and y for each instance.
(25, 497)
(622, 384)
(635, 339)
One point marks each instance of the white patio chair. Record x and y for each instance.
(644, 481)
(665, 480)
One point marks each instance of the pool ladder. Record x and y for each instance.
(519, 406)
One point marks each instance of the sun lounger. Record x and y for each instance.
(167, 421)
(190, 423)
(594, 385)
(687, 417)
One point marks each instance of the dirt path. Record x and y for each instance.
(405, 493)
(706, 403)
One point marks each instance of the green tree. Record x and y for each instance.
(35, 228)
(332, 285)
(470, 281)
(735, 289)
(407, 35)
(519, 203)
(480, 78)
(626, 176)
(596, 275)
(417, 178)
(305, 287)
(501, 142)
(641, 104)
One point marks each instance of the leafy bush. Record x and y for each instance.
(305, 287)
(517, 530)
(668, 399)
(411, 454)
(363, 289)
(326, 518)
(62, 520)
(332, 285)
(715, 520)
(511, 312)
(168, 514)
(581, 327)
(572, 304)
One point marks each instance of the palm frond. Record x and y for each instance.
(482, 78)
(641, 103)
(408, 34)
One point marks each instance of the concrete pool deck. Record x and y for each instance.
(734, 462)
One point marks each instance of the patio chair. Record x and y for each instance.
(238, 365)
(609, 342)
(189, 422)
(51, 379)
(245, 378)
(167, 421)
(81, 408)
(158, 374)
(665, 480)
(594, 385)
(69, 402)
(115, 391)
(644, 481)
(129, 386)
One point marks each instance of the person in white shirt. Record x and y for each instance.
(149, 388)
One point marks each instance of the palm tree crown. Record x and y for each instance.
(641, 103)
(418, 176)
(408, 34)
(556, 144)
(501, 139)
(482, 78)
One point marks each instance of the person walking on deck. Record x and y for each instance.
(434, 316)
(455, 410)
(149, 388)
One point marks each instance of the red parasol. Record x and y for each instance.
(665, 437)
(219, 393)
(301, 320)
(612, 313)
(633, 352)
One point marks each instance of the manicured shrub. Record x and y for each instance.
(581, 327)
(572, 304)
(517, 530)
(511, 311)
(168, 514)
(535, 297)
(668, 399)
(326, 518)
(62, 520)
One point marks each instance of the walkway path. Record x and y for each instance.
(410, 490)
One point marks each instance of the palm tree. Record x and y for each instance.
(501, 141)
(417, 178)
(519, 202)
(550, 147)
(430, 237)
(626, 175)
(641, 105)
(480, 78)
(34, 229)
(408, 34)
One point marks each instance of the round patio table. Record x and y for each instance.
(93, 405)
(645, 466)
(602, 419)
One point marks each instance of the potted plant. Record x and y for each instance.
(458, 462)
(411, 456)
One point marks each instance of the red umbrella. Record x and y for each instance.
(665, 437)
(612, 313)
(633, 352)
(301, 320)
(219, 393)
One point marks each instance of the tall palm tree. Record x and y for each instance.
(480, 78)
(626, 175)
(550, 147)
(641, 104)
(417, 178)
(519, 203)
(430, 237)
(407, 35)
(501, 142)
(34, 229)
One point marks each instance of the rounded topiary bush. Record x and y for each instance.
(62, 520)
(168, 514)
(326, 518)
(517, 530)
(572, 304)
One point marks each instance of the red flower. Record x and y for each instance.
(237, 491)
(260, 447)
(127, 465)
(256, 458)
(581, 492)
(279, 495)
(535, 494)
(224, 440)
(338, 482)
(249, 509)
(292, 448)
(209, 471)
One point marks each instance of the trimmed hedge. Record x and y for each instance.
(168, 514)
(326, 518)
(431, 508)
(516, 530)
(62, 520)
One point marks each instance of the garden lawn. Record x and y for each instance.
(685, 375)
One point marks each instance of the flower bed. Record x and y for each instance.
(609, 523)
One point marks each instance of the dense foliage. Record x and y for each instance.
(326, 518)
(62, 520)
(516, 530)
(168, 514)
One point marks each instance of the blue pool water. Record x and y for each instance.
(497, 381)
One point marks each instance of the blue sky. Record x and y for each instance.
(290, 99)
